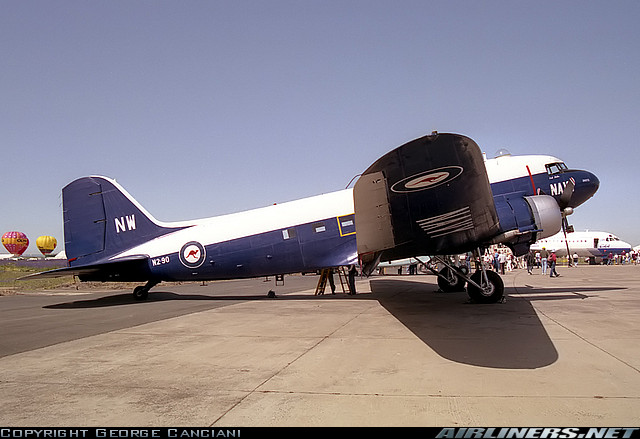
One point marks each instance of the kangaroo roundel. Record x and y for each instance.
(192, 254)
(427, 179)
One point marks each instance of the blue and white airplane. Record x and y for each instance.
(587, 244)
(435, 195)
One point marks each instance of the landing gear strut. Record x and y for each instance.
(484, 286)
(142, 292)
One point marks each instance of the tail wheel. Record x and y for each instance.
(492, 289)
(449, 281)
(140, 293)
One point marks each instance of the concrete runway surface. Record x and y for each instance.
(559, 352)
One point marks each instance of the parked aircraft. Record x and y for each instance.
(433, 195)
(586, 244)
(418, 261)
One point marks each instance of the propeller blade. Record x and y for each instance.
(565, 198)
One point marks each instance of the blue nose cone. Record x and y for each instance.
(586, 186)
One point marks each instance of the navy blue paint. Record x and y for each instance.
(265, 254)
(586, 185)
(84, 218)
(93, 210)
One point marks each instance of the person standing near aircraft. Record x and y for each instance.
(552, 265)
(352, 279)
(544, 256)
(332, 283)
(488, 260)
(530, 261)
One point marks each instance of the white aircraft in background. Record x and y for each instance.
(398, 263)
(588, 244)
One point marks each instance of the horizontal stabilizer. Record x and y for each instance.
(129, 269)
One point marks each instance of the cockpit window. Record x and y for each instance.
(556, 168)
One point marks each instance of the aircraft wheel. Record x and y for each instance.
(140, 293)
(450, 282)
(492, 292)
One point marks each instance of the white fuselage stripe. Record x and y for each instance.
(512, 167)
(251, 222)
(281, 216)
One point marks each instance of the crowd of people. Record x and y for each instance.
(501, 259)
(623, 258)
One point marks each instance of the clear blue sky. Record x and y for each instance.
(200, 108)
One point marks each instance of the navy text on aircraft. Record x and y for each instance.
(435, 195)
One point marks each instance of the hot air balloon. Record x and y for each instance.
(46, 244)
(15, 242)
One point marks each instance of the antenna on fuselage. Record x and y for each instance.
(502, 152)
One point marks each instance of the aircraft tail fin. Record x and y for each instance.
(102, 220)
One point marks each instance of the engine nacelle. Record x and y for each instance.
(547, 215)
(524, 220)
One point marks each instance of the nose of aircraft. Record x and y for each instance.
(586, 186)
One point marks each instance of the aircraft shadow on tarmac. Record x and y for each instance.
(156, 296)
(559, 293)
(508, 335)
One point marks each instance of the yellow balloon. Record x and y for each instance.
(46, 244)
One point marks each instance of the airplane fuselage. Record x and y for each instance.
(434, 195)
(283, 238)
(311, 233)
(584, 244)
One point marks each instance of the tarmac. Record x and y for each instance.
(558, 352)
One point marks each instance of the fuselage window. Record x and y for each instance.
(289, 233)
(319, 227)
(347, 225)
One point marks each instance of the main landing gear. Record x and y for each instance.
(142, 292)
(483, 286)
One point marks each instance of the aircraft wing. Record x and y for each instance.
(428, 196)
(129, 269)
